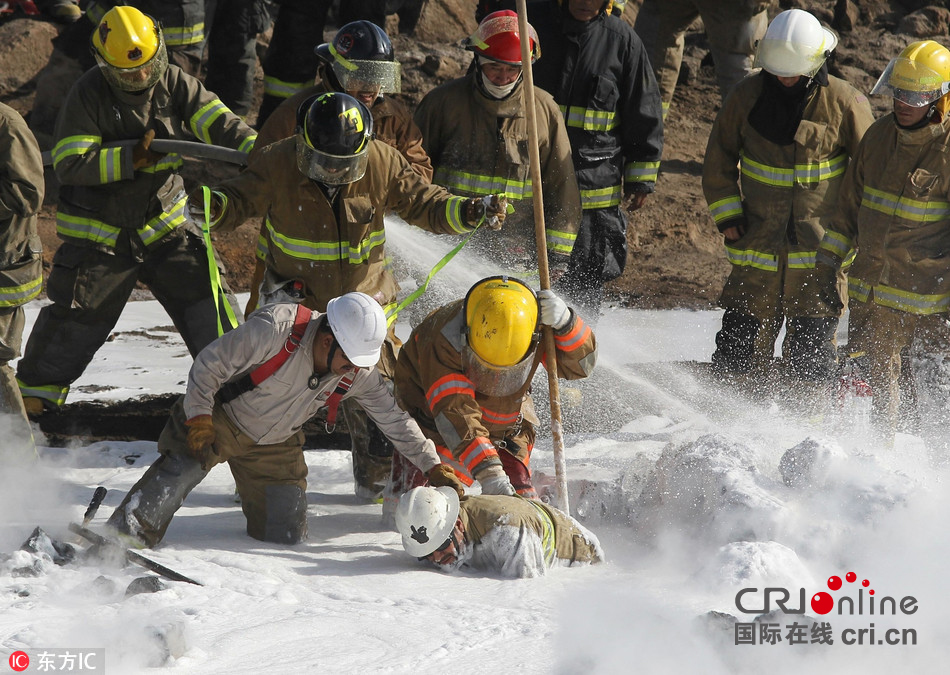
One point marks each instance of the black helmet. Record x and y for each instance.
(333, 134)
(361, 54)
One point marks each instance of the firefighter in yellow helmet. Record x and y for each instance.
(465, 376)
(121, 209)
(894, 208)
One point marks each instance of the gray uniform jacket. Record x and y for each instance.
(278, 407)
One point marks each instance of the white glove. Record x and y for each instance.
(554, 311)
(497, 485)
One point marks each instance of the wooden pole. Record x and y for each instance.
(534, 157)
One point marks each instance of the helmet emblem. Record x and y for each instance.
(352, 120)
(420, 534)
(104, 31)
(135, 54)
(344, 43)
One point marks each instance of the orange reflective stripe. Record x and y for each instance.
(460, 471)
(453, 383)
(575, 338)
(477, 452)
(495, 417)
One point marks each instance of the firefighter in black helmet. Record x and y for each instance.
(325, 236)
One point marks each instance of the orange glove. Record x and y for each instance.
(142, 155)
(201, 437)
(442, 475)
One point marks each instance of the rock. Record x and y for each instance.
(810, 463)
(927, 22)
(446, 21)
(846, 16)
(170, 640)
(147, 584)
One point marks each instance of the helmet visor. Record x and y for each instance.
(330, 169)
(493, 380)
(138, 78)
(365, 75)
(911, 83)
(788, 59)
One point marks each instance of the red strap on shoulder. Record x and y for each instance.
(269, 367)
(333, 402)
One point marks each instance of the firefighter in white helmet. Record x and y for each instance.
(894, 208)
(510, 536)
(774, 164)
(249, 393)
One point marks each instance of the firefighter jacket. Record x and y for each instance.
(334, 248)
(786, 194)
(392, 124)
(894, 208)
(601, 78)
(104, 202)
(277, 408)
(522, 538)
(479, 146)
(182, 21)
(466, 424)
(21, 196)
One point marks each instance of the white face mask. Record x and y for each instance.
(496, 91)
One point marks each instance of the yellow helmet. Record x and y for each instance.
(129, 48)
(501, 316)
(919, 76)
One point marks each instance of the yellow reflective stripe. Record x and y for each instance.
(802, 260)
(902, 207)
(560, 242)
(763, 173)
(262, 247)
(641, 172)
(169, 162)
(110, 165)
(281, 89)
(13, 296)
(326, 250)
(548, 536)
(74, 145)
(752, 258)
(589, 119)
(481, 184)
(95, 13)
(50, 392)
(163, 223)
(895, 298)
(176, 36)
(835, 243)
(86, 228)
(813, 173)
(248, 144)
(455, 216)
(726, 208)
(601, 198)
(202, 120)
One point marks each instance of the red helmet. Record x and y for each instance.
(498, 38)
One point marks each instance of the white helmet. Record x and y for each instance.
(794, 44)
(359, 326)
(426, 517)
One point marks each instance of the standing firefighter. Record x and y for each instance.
(323, 195)
(732, 28)
(465, 376)
(21, 264)
(894, 208)
(514, 537)
(774, 165)
(476, 132)
(302, 362)
(122, 208)
(598, 72)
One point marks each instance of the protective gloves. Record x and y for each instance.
(201, 437)
(195, 206)
(734, 229)
(497, 485)
(826, 277)
(442, 475)
(554, 311)
(633, 199)
(493, 208)
(142, 154)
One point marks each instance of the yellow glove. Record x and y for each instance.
(142, 154)
(201, 437)
(442, 475)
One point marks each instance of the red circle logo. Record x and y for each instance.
(822, 603)
(19, 661)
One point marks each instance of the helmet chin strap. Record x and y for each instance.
(333, 350)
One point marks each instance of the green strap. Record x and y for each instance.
(216, 289)
(412, 297)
